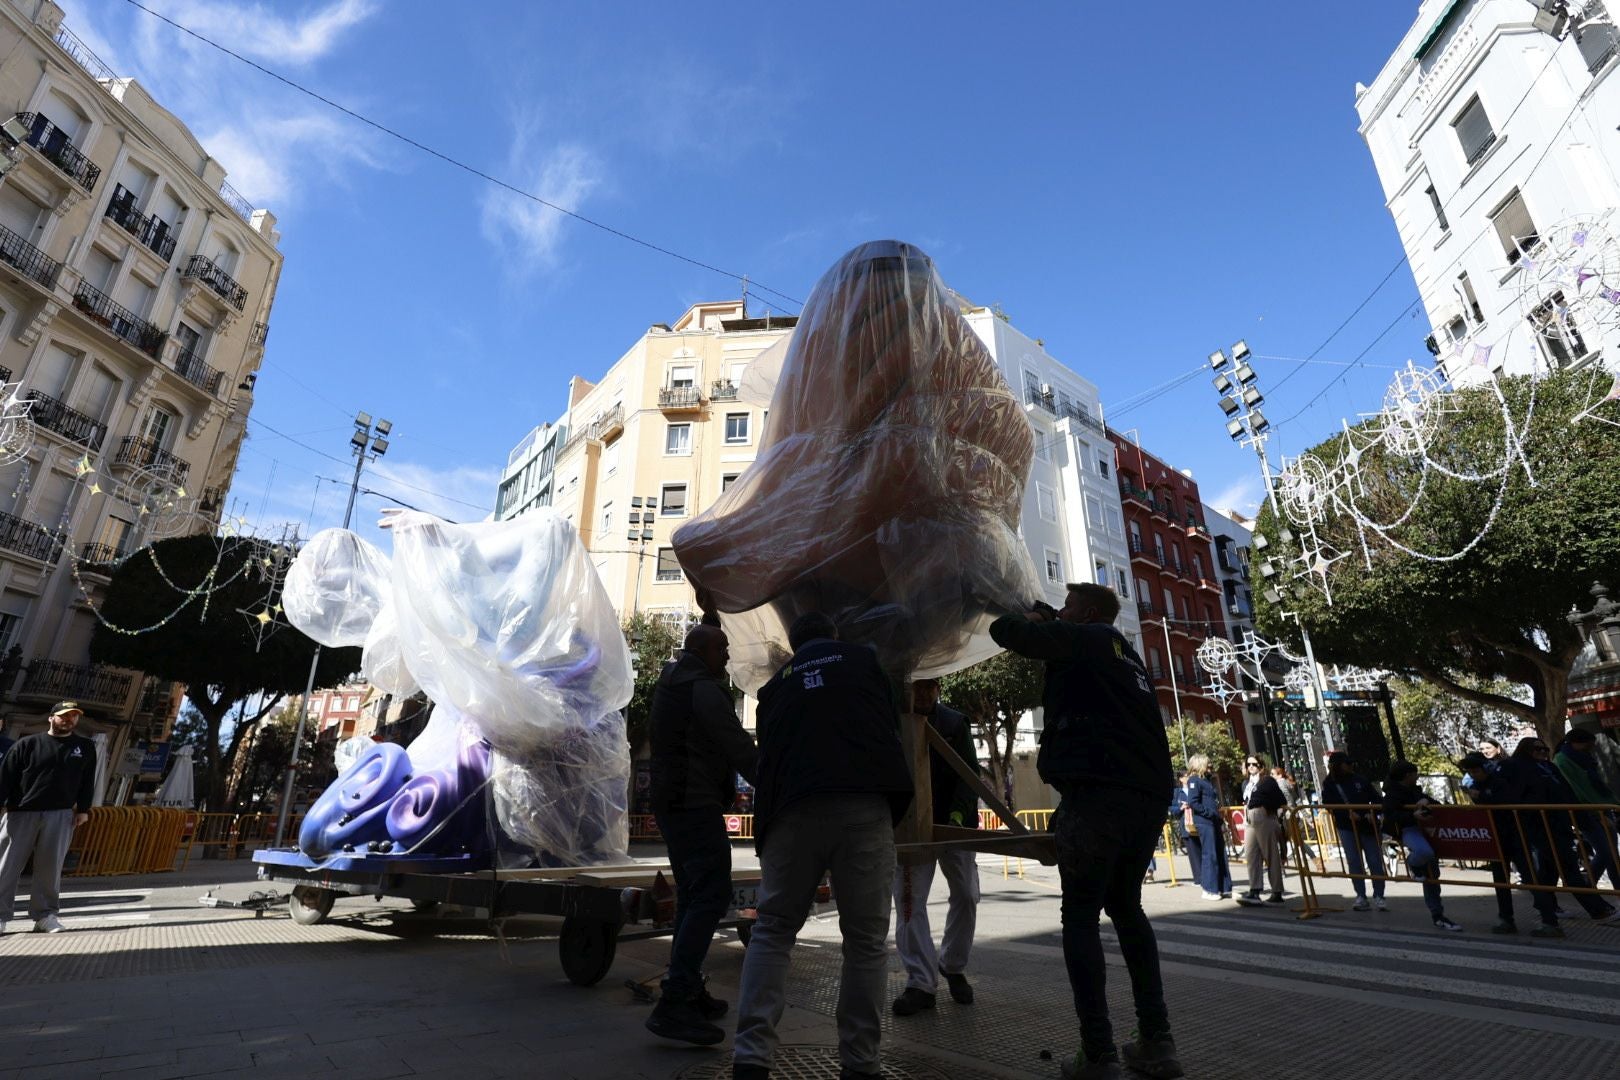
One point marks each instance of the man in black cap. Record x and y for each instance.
(47, 783)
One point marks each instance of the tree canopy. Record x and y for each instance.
(1528, 547)
(994, 694)
(191, 602)
(653, 642)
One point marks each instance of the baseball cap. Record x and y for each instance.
(1472, 760)
(65, 706)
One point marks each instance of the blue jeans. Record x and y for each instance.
(1363, 854)
(1424, 864)
(700, 857)
(1214, 874)
(1194, 842)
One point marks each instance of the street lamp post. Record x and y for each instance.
(368, 442)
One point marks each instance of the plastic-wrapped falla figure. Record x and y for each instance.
(888, 484)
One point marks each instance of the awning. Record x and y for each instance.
(1437, 29)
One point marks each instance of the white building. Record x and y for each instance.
(1072, 521)
(527, 482)
(1233, 535)
(1492, 123)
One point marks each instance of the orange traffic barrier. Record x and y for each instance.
(126, 840)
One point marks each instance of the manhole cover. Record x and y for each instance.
(815, 1063)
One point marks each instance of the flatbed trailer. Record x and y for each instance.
(599, 905)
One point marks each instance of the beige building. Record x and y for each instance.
(652, 443)
(135, 293)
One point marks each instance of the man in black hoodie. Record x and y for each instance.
(833, 783)
(698, 748)
(47, 783)
(1103, 747)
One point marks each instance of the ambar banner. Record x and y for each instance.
(1463, 832)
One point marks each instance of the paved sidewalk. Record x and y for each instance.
(1254, 994)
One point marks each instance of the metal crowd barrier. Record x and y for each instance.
(644, 827)
(231, 836)
(126, 840)
(1557, 840)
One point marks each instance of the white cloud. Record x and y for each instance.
(564, 174)
(1242, 495)
(270, 156)
(268, 33)
(455, 492)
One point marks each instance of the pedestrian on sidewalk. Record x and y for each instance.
(1103, 747)
(1263, 803)
(47, 783)
(955, 803)
(1356, 821)
(698, 749)
(1496, 783)
(1204, 802)
(1578, 764)
(1406, 817)
(1553, 841)
(1186, 827)
(833, 783)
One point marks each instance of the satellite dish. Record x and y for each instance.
(348, 752)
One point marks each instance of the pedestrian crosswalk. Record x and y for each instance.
(89, 908)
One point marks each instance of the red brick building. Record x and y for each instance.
(336, 713)
(1178, 597)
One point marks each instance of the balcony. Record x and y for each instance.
(1210, 584)
(54, 145)
(1144, 608)
(136, 453)
(212, 500)
(87, 684)
(259, 334)
(1075, 412)
(233, 199)
(71, 424)
(28, 539)
(157, 698)
(151, 231)
(99, 560)
(1044, 401)
(723, 390)
(32, 263)
(117, 319)
(680, 399)
(1139, 550)
(608, 424)
(203, 269)
(1131, 493)
(191, 368)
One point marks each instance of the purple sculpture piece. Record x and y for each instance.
(353, 811)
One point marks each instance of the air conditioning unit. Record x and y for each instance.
(1236, 612)
(1046, 389)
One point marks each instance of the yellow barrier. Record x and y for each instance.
(644, 827)
(127, 840)
(233, 835)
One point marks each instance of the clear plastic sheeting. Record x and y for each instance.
(506, 627)
(888, 484)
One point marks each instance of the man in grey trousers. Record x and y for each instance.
(833, 783)
(47, 783)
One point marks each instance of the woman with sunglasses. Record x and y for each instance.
(1263, 802)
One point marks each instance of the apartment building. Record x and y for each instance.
(1491, 123)
(1178, 596)
(135, 294)
(1232, 535)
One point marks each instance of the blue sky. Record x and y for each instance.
(1135, 186)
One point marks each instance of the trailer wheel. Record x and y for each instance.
(745, 933)
(310, 904)
(586, 949)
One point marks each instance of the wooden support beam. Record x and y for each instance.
(918, 824)
(1028, 845)
(974, 780)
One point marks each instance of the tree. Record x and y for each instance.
(994, 694)
(652, 643)
(1215, 741)
(190, 601)
(1500, 610)
(1440, 726)
(267, 753)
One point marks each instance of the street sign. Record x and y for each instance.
(155, 758)
(733, 825)
(130, 763)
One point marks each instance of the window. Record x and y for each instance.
(682, 377)
(678, 440)
(1102, 573)
(1046, 502)
(1116, 523)
(669, 567)
(1158, 547)
(1470, 302)
(10, 629)
(1439, 210)
(1123, 587)
(1043, 447)
(1155, 663)
(1169, 602)
(1094, 514)
(1198, 566)
(1136, 536)
(727, 480)
(1054, 566)
(1102, 467)
(610, 458)
(674, 500)
(1473, 129)
(607, 515)
(1175, 557)
(1144, 592)
(159, 427)
(115, 534)
(1514, 227)
(1456, 330)
(736, 428)
(1560, 341)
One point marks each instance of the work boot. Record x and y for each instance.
(1081, 1067)
(961, 989)
(1505, 926)
(679, 1018)
(710, 1006)
(1152, 1057)
(912, 1001)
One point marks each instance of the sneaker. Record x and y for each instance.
(1503, 926)
(1151, 1057)
(1249, 899)
(1275, 898)
(711, 1007)
(749, 1072)
(961, 989)
(912, 1001)
(1360, 904)
(1379, 904)
(1443, 923)
(1547, 930)
(50, 924)
(1211, 896)
(679, 1019)
(1078, 1068)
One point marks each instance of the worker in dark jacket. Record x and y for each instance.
(1103, 747)
(833, 783)
(955, 803)
(1501, 782)
(47, 784)
(1553, 842)
(1356, 821)
(698, 748)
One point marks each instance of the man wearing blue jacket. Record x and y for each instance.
(1103, 747)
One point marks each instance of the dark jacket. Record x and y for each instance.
(1102, 726)
(1398, 800)
(950, 791)
(1352, 790)
(1267, 794)
(828, 723)
(1504, 783)
(698, 745)
(44, 772)
(1205, 800)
